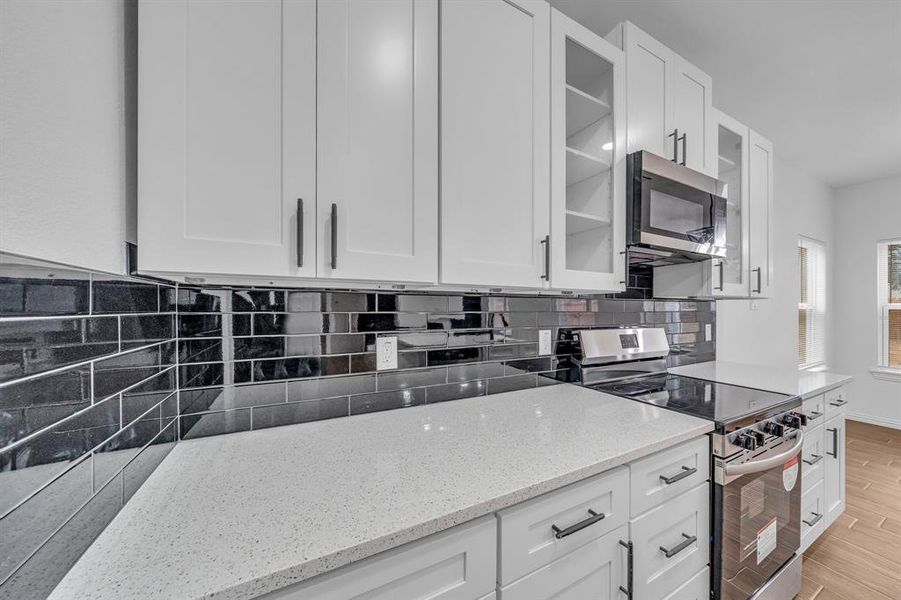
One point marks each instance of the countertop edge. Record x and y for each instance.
(332, 562)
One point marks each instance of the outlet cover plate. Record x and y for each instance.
(544, 342)
(708, 332)
(386, 352)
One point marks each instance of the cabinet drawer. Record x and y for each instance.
(682, 527)
(528, 539)
(813, 514)
(835, 402)
(684, 466)
(596, 570)
(815, 409)
(813, 457)
(696, 588)
(457, 564)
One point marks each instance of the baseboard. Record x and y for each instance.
(893, 423)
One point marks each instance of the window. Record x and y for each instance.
(889, 298)
(811, 303)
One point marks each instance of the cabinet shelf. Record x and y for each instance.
(577, 222)
(582, 110)
(580, 166)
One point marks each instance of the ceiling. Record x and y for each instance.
(821, 79)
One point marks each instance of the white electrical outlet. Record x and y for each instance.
(386, 353)
(708, 332)
(544, 342)
(753, 304)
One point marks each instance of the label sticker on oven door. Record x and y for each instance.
(766, 539)
(790, 472)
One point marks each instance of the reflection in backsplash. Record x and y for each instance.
(101, 375)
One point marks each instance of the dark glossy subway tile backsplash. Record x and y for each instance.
(100, 376)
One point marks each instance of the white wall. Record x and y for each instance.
(865, 214)
(66, 153)
(769, 335)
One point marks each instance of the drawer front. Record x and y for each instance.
(681, 527)
(835, 402)
(662, 476)
(596, 571)
(697, 588)
(813, 514)
(815, 409)
(813, 457)
(528, 539)
(457, 564)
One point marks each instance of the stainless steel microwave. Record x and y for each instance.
(673, 208)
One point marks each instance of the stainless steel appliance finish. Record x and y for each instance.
(756, 496)
(673, 208)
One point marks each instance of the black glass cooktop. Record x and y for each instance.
(724, 404)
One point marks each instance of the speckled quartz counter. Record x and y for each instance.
(234, 516)
(771, 379)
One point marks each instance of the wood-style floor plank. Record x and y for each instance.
(859, 556)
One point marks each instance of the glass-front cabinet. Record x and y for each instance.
(586, 248)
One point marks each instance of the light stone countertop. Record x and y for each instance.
(771, 379)
(235, 516)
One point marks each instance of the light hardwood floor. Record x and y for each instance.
(859, 556)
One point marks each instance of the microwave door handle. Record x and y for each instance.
(764, 464)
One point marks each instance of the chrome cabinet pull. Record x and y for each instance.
(686, 472)
(300, 232)
(688, 541)
(547, 258)
(684, 146)
(722, 276)
(834, 432)
(838, 402)
(759, 286)
(814, 415)
(816, 519)
(816, 458)
(591, 520)
(630, 560)
(675, 136)
(334, 222)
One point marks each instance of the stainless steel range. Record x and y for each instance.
(756, 449)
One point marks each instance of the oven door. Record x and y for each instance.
(676, 215)
(759, 513)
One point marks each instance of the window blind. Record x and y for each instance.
(812, 303)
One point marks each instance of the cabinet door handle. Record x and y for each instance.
(300, 232)
(675, 136)
(684, 146)
(722, 276)
(834, 432)
(547, 258)
(814, 415)
(688, 541)
(334, 223)
(816, 519)
(591, 520)
(630, 561)
(759, 286)
(816, 458)
(838, 402)
(686, 472)
(625, 255)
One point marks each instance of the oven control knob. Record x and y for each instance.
(795, 420)
(774, 429)
(759, 437)
(747, 441)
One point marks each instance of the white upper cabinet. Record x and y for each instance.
(588, 151)
(495, 142)
(731, 275)
(378, 140)
(226, 137)
(669, 102)
(761, 214)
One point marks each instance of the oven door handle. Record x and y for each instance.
(764, 464)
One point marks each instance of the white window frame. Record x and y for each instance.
(882, 370)
(819, 303)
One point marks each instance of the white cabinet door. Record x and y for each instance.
(597, 571)
(649, 93)
(588, 160)
(813, 515)
(697, 588)
(226, 137)
(813, 457)
(834, 474)
(457, 564)
(760, 192)
(378, 139)
(495, 141)
(692, 116)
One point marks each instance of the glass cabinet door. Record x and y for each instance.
(587, 242)
(730, 275)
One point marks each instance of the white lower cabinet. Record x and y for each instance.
(596, 570)
(813, 457)
(696, 588)
(457, 564)
(671, 542)
(813, 512)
